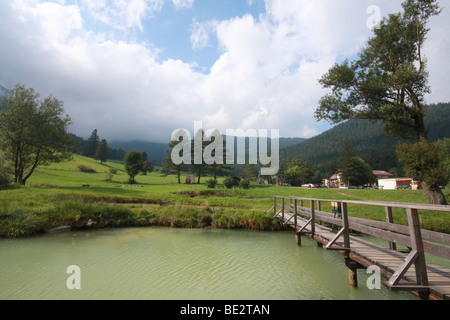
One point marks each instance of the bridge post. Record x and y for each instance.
(319, 208)
(417, 245)
(295, 213)
(390, 219)
(352, 267)
(298, 236)
(345, 225)
(313, 218)
(275, 206)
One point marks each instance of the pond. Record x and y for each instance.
(177, 264)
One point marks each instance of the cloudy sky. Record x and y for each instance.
(140, 69)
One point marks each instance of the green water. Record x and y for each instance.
(178, 264)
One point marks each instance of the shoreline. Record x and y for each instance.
(79, 215)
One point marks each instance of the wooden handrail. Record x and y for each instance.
(405, 205)
(411, 236)
(394, 233)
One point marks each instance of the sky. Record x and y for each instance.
(141, 69)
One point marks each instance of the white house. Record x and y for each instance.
(393, 184)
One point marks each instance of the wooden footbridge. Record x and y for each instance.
(405, 269)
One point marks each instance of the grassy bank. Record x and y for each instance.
(62, 195)
(81, 214)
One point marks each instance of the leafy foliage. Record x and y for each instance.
(32, 132)
(245, 184)
(211, 183)
(228, 182)
(389, 80)
(355, 171)
(134, 164)
(424, 161)
(298, 172)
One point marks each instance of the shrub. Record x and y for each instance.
(109, 177)
(244, 184)
(5, 179)
(86, 169)
(228, 182)
(211, 183)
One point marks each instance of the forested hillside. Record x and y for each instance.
(155, 151)
(368, 139)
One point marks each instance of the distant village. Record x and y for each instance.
(384, 180)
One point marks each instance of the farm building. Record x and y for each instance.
(393, 184)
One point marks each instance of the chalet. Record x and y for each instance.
(335, 181)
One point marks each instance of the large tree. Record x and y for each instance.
(389, 79)
(32, 132)
(355, 171)
(298, 172)
(134, 164)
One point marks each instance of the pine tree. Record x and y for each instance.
(101, 153)
(92, 144)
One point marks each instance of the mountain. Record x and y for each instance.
(2, 90)
(289, 142)
(155, 151)
(368, 140)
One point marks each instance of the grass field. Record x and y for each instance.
(62, 195)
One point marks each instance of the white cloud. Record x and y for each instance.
(436, 51)
(182, 4)
(120, 14)
(200, 33)
(265, 78)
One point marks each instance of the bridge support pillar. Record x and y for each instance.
(353, 278)
(298, 239)
(352, 272)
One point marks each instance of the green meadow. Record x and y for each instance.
(60, 195)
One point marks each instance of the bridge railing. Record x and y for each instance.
(419, 241)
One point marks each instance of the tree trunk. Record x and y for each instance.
(434, 194)
(422, 132)
(36, 162)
